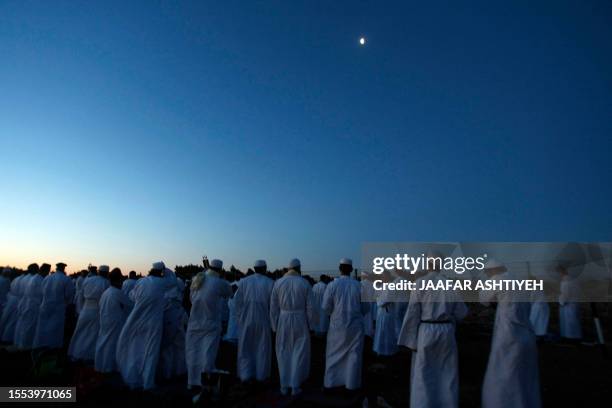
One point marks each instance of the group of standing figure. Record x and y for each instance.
(139, 327)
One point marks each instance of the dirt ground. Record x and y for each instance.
(570, 374)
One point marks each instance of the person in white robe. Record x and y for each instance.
(428, 330)
(368, 294)
(208, 293)
(540, 313)
(83, 342)
(344, 351)
(5, 287)
(231, 334)
(25, 329)
(10, 313)
(512, 375)
(569, 309)
(385, 336)
(139, 343)
(57, 294)
(322, 318)
(292, 316)
(78, 290)
(114, 310)
(129, 283)
(252, 306)
(172, 356)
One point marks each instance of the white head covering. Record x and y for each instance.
(159, 266)
(260, 263)
(103, 268)
(346, 261)
(295, 263)
(216, 263)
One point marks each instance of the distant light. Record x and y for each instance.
(362, 41)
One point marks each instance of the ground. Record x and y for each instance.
(571, 375)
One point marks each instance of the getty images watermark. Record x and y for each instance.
(520, 271)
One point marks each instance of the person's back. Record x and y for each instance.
(252, 307)
(10, 312)
(140, 339)
(291, 312)
(28, 316)
(57, 294)
(318, 290)
(344, 351)
(115, 307)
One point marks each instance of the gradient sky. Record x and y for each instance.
(137, 131)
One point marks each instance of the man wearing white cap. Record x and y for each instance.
(83, 343)
(25, 328)
(368, 294)
(344, 351)
(318, 290)
(252, 308)
(429, 331)
(140, 340)
(11, 310)
(208, 293)
(291, 313)
(512, 376)
(57, 294)
(172, 355)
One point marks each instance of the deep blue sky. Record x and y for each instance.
(137, 131)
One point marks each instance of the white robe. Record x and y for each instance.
(385, 336)
(512, 376)
(540, 313)
(114, 310)
(25, 329)
(344, 351)
(57, 294)
(5, 287)
(83, 343)
(172, 355)
(322, 318)
(140, 339)
(569, 309)
(10, 312)
(78, 293)
(434, 376)
(252, 307)
(128, 285)
(231, 334)
(291, 313)
(369, 294)
(205, 326)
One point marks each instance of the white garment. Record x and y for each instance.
(322, 317)
(78, 293)
(429, 330)
(25, 329)
(172, 355)
(569, 309)
(205, 326)
(231, 334)
(83, 343)
(344, 351)
(5, 287)
(291, 313)
(369, 294)
(10, 313)
(385, 336)
(512, 376)
(140, 339)
(114, 310)
(57, 294)
(127, 286)
(540, 313)
(252, 307)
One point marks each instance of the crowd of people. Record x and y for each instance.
(161, 326)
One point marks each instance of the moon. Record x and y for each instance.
(362, 41)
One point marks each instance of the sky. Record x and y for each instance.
(137, 131)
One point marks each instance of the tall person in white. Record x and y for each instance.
(25, 330)
(428, 330)
(344, 351)
(252, 308)
(57, 294)
(291, 312)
